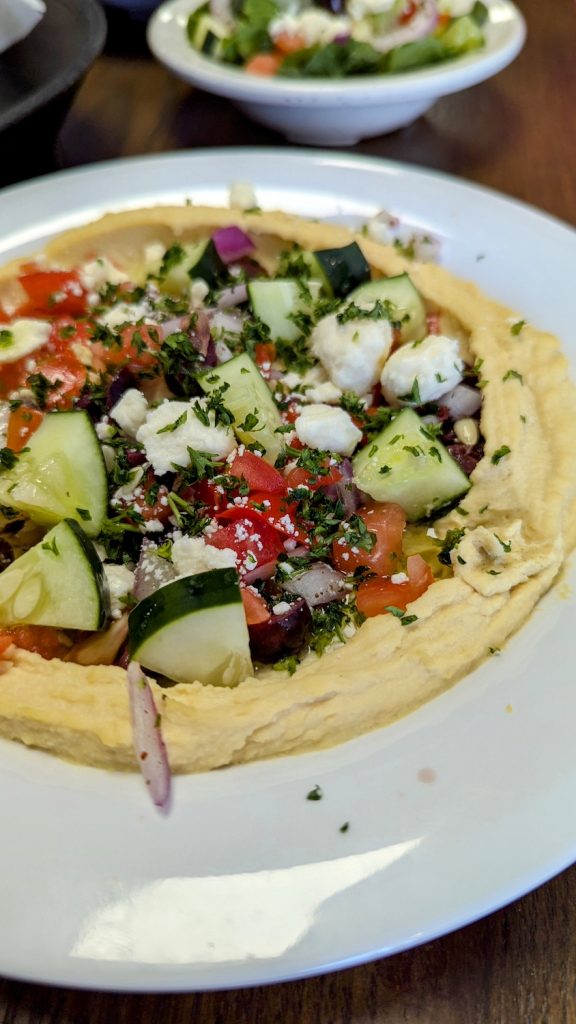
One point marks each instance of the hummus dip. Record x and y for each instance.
(512, 529)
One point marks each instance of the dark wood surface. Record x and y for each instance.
(515, 133)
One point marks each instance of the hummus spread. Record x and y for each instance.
(518, 519)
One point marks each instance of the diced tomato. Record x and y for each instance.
(300, 477)
(264, 352)
(139, 347)
(44, 640)
(248, 534)
(379, 593)
(387, 520)
(207, 492)
(52, 293)
(289, 42)
(258, 474)
(151, 502)
(56, 361)
(264, 63)
(410, 8)
(255, 607)
(22, 423)
(280, 513)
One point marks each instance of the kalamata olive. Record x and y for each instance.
(121, 382)
(281, 634)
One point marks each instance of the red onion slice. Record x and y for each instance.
(234, 296)
(152, 571)
(319, 584)
(232, 243)
(422, 24)
(261, 572)
(148, 743)
(100, 648)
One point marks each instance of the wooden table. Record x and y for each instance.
(517, 134)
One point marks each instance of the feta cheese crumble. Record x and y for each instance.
(173, 427)
(191, 555)
(120, 584)
(130, 411)
(434, 365)
(326, 427)
(352, 353)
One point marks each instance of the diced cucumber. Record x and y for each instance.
(59, 582)
(463, 35)
(341, 270)
(208, 35)
(276, 302)
(194, 629)
(401, 293)
(61, 475)
(405, 464)
(185, 263)
(248, 398)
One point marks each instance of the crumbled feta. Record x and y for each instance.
(198, 291)
(191, 555)
(327, 427)
(120, 585)
(281, 608)
(127, 491)
(166, 444)
(434, 365)
(125, 312)
(153, 256)
(22, 336)
(352, 353)
(399, 577)
(104, 429)
(130, 411)
(242, 196)
(314, 26)
(96, 274)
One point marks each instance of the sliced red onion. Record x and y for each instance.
(152, 571)
(148, 743)
(100, 648)
(461, 401)
(232, 243)
(422, 24)
(199, 333)
(233, 296)
(345, 490)
(261, 572)
(319, 584)
(286, 633)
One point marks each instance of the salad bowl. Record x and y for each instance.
(335, 111)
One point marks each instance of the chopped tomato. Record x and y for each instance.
(208, 493)
(258, 474)
(264, 352)
(22, 423)
(300, 477)
(289, 42)
(56, 361)
(387, 521)
(247, 533)
(52, 293)
(255, 607)
(44, 640)
(264, 63)
(280, 513)
(139, 344)
(150, 500)
(410, 8)
(377, 594)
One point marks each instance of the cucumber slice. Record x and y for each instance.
(276, 302)
(341, 270)
(247, 396)
(59, 582)
(463, 35)
(61, 475)
(185, 263)
(193, 630)
(405, 465)
(401, 293)
(208, 35)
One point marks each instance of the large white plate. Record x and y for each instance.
(452, 812)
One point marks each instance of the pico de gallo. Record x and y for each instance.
(224, 466)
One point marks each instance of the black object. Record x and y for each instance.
(38, 79)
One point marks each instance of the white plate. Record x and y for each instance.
(452, 812)
(323, 112)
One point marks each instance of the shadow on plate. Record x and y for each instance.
(38, 80)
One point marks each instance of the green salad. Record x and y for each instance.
(336, 38)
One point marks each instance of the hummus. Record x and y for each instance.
(517, 519)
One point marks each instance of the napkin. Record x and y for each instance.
(17, 19)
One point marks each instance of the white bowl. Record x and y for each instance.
(335, 112)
